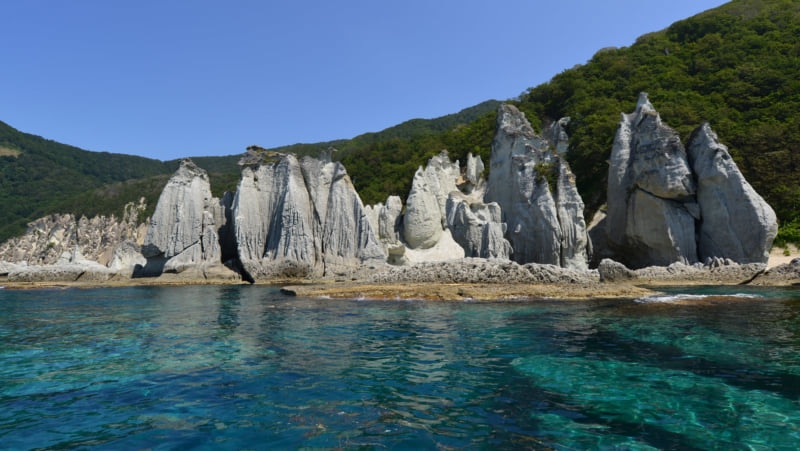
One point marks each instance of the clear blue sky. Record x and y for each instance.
(167, 79)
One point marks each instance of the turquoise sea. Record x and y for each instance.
(245, 367)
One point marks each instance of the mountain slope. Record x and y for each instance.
(37, 175)
(736, 66)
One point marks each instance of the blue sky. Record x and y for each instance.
(167, 79)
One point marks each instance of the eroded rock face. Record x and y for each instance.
(183, 231)
(96, 238)
(304, 218)
(536, 192)
(736, 222)
(423, 221)
(667, 206)
(651, 204)
(477, 227)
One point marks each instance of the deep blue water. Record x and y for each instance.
(244, 367)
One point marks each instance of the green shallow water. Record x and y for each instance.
(244, 367)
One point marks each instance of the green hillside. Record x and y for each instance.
(37, 175)
(736, 66)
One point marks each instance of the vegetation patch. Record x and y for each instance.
(9, 152)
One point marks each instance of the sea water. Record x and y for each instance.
(245, 367)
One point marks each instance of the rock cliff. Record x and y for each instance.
(293, 219)
(184, 230)
(97, 238)
(536, 192)
(651, 204)
(736, 222)
(662, 209)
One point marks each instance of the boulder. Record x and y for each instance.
(736, 222)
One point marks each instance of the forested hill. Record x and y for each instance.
(38, 175)
(736, 66)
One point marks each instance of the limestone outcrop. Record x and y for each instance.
(184, 230)
(715, 271)
(536, 192)
(651, 203)
(659, 202)
(736, 222)
(293, 219)
(423, 221)
(47, 238)
(477, 227)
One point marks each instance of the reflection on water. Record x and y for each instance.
(237, 367)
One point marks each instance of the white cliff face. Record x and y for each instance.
(273, 218)
(96, 238)
(477, 227)
(663, 210)
(536, 193)
(514, 137)
(304, 216)
(422, 222)
(343, 231)
(574, 232)
(651, 206)
(736, 222)
(182, 232)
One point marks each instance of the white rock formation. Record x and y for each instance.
(183, 232)
(477, 227)
(651, 204)
(536, 192)
(736, 222)
(662, 210)
(306, 219)
(426, 204)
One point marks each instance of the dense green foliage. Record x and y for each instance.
(736, 66)
(40, 175)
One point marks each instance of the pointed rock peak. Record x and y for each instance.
(643, 101)
(513, 122)
(556, 135)
(326, 155)
(188, 169)
(257, 155)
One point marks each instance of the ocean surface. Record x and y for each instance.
(245, 367)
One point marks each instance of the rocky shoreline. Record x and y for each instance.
(675, 214)
(473, 279)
